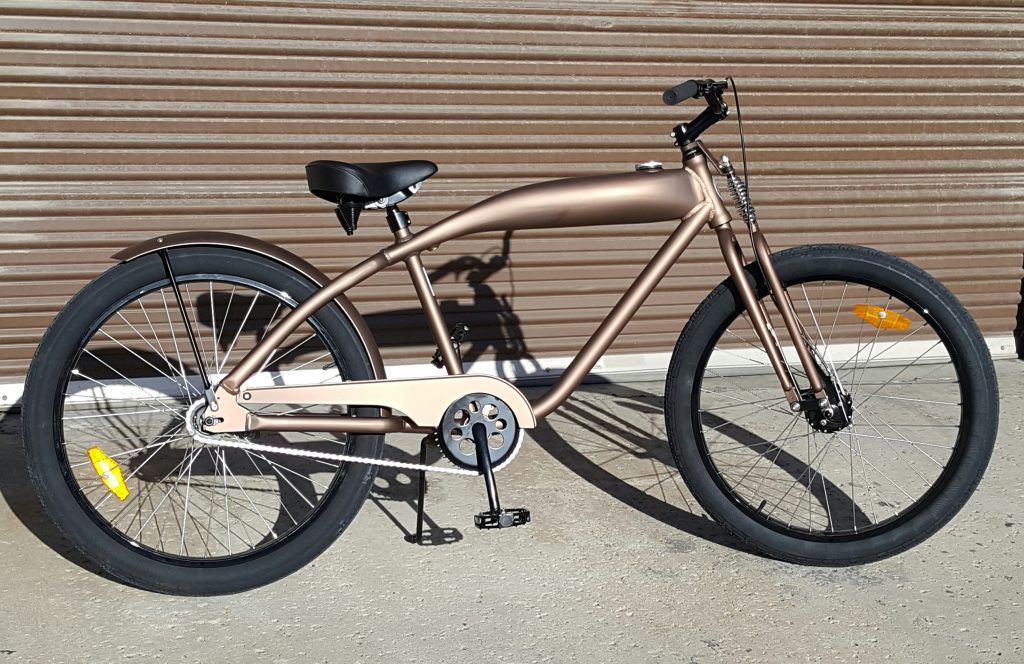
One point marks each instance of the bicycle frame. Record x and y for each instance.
(688, 194)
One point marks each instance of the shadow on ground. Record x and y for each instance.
(21, 497)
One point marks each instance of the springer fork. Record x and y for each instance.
(697, 159)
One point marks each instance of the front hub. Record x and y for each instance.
(842, 409)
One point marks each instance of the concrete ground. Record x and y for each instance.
(619, 565)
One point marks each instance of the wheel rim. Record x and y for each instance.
(907, 416)
(127, 392)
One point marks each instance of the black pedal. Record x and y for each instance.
(506, 518)
(457, 335)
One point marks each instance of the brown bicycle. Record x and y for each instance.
(209, 414)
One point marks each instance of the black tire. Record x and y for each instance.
(345, 486)
(741, 507)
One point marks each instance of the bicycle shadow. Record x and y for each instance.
(494, 327)
(21, 497)
(623, 436)
(611, 443)
(491, 316)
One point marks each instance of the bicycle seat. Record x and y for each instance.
(337, 180)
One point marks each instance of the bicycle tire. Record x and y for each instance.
(738, 507)
(80, 521)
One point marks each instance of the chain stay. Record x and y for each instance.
(257, 447)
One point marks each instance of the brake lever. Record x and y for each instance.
(712, 91)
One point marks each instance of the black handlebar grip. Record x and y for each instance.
(681, 92)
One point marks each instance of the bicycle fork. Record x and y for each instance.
(721, 223)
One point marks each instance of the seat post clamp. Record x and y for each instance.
(397, 219)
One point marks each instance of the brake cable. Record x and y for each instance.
(743, 140)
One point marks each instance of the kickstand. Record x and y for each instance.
(417, 538)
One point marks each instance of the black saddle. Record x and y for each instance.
(337, 181)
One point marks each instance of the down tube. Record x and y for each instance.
(622, 312)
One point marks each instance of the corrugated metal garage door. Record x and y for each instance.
(123, 120)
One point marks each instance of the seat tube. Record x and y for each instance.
(759, 319)
(432, 311)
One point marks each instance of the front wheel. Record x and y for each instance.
(914, 382)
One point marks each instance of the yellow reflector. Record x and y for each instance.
(109, 472)
(884, 319)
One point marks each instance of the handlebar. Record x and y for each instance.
(683, 91)
(692, 89)
(708, 89)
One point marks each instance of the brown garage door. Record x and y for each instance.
(896, 128)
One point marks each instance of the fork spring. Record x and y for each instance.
(739, 194)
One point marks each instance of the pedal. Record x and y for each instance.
(457, 335)
(506, 518)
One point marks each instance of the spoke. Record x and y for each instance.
(892, 345)
(144, 360)
(167, 408)
(897, 440)
(286, 352)
(810, 465)
(270, 322)
(734, 421)
(745, 403)
(762, 455)
(747, 342)
(900, 373)
(745, 446)
(255, 511)
(883, 396)
(227, 512)
(184, 520)
(886, 477)
(110, 415)
(174, 486)
(162, 353)
(135, 472)
(177, 351)
(136, 450)
(174, 379)
(874, 341)
(215, 337)
(195, 314)
(306, 364)
(866, 413)
(825, 351)
(839, 309)
(741, 388)
(227, 312)
(238, 333)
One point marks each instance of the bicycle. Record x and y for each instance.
(208, 415)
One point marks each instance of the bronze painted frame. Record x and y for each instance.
(688, 194)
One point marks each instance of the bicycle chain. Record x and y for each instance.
(257, 447)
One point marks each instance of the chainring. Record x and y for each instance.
(455, 434)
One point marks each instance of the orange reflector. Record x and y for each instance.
(884, 319)
(109, 472)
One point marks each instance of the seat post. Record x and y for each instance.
(397, 219)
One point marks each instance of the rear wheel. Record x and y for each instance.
(112, 386)
(915, 426)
